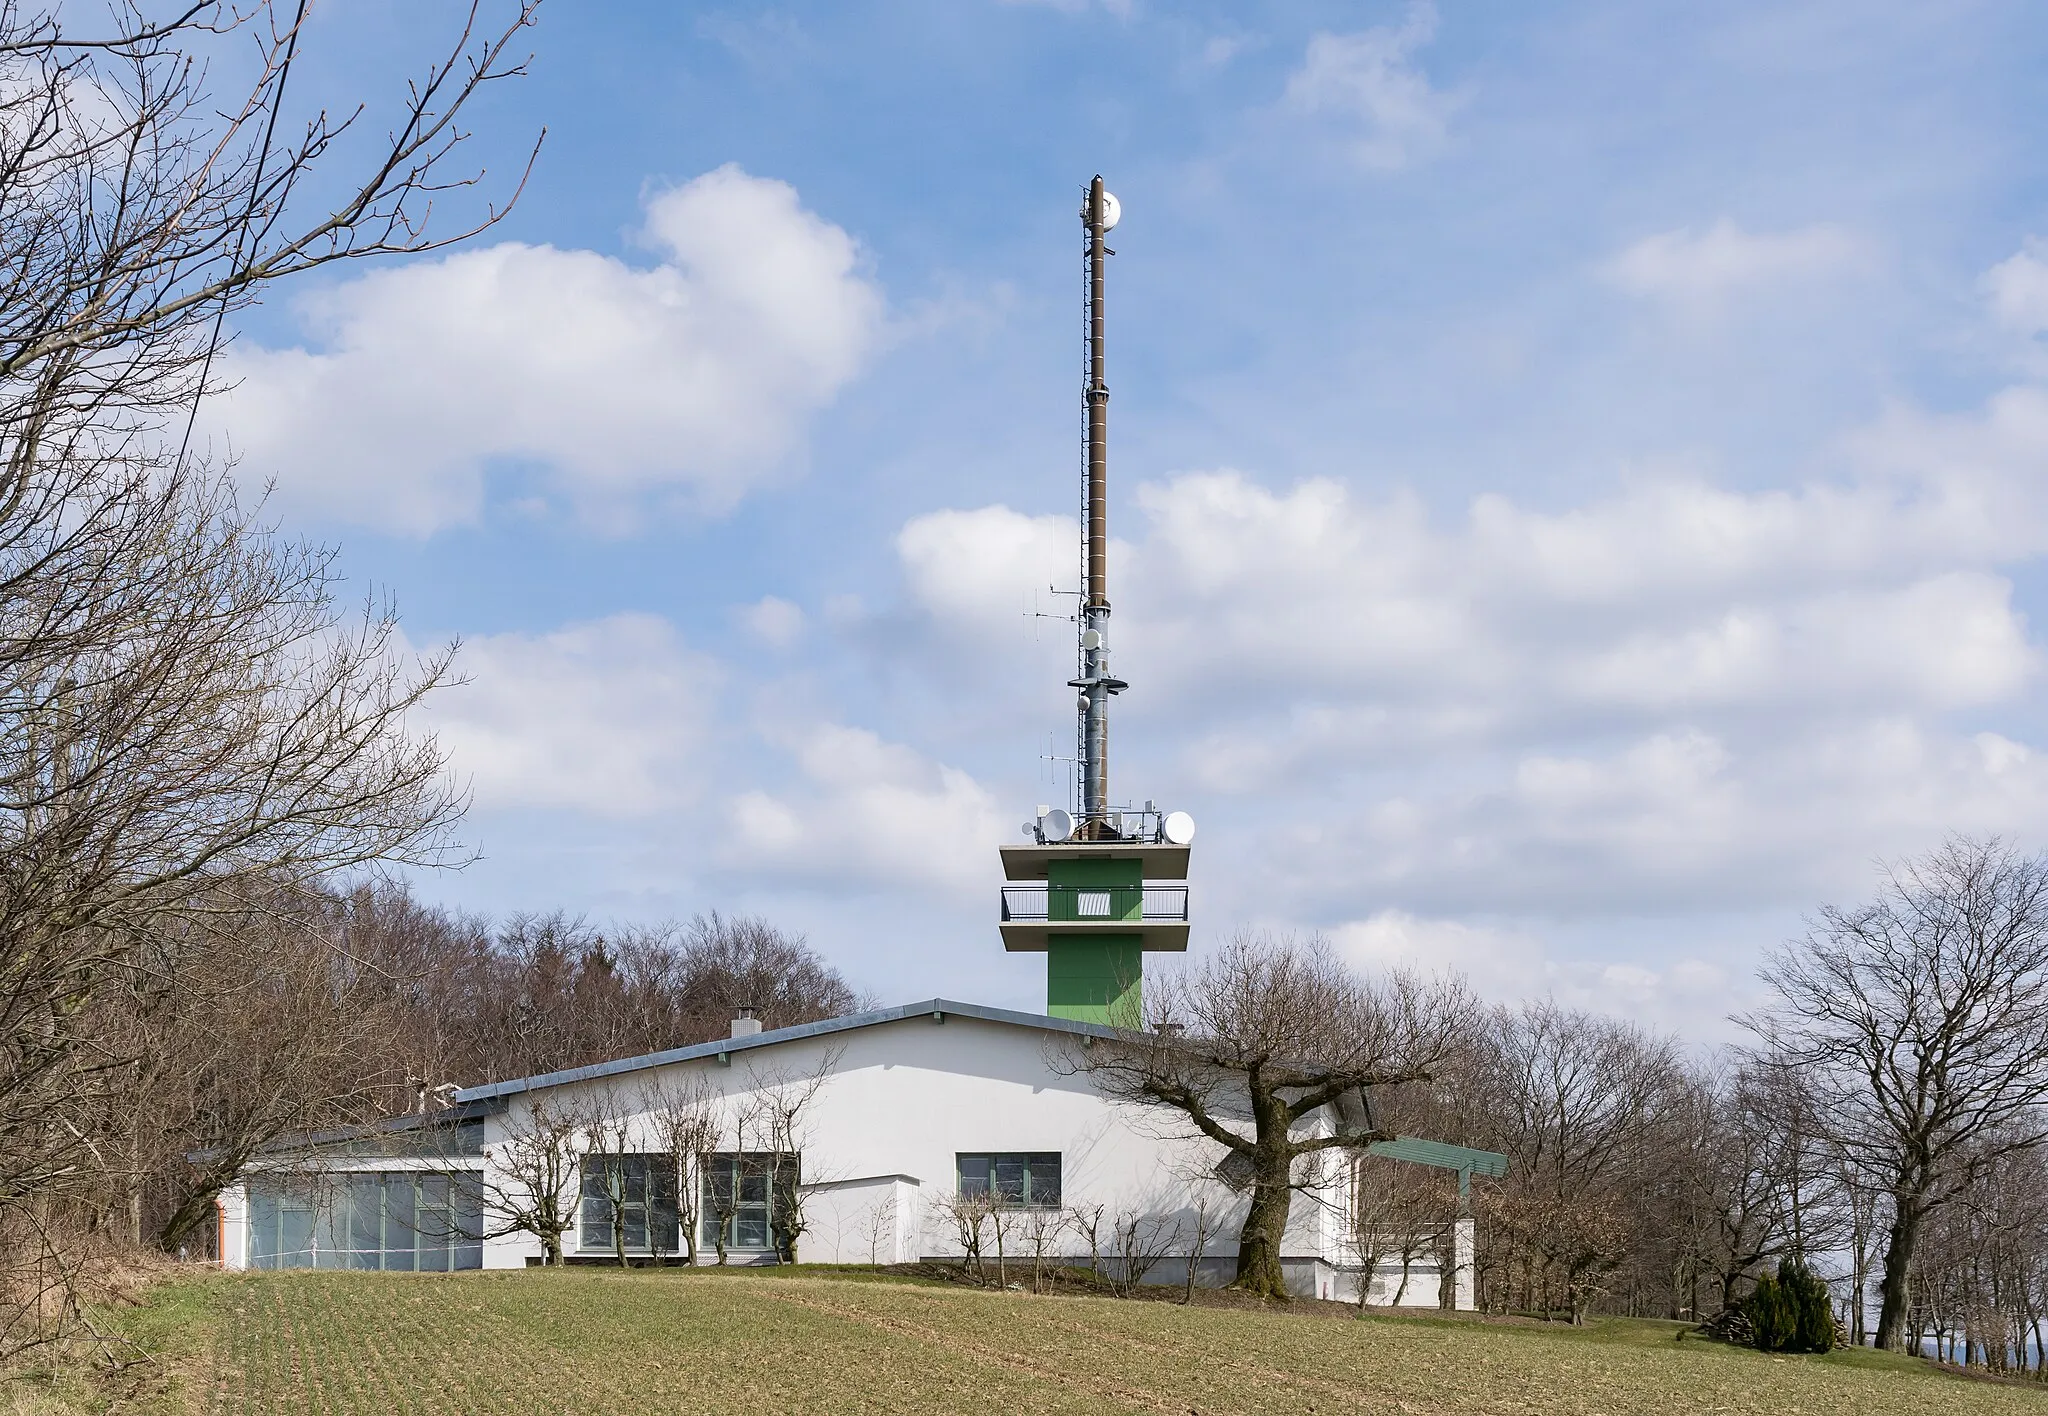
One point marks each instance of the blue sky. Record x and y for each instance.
(1577, 468)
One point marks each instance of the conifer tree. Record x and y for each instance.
(1809, 1307)
(1770, 1317)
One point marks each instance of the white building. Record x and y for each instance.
(914, 1108)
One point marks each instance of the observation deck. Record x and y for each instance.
(1154, 917)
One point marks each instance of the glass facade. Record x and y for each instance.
(1030, 1180)
(395, 1220)
(637, 1192)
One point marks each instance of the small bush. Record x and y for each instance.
(1771, 1323)
(1813, 1310)
(1791, 1312)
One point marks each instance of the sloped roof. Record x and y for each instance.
(934, 1007)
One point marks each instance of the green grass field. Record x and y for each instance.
(325, 1344)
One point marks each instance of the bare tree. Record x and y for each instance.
(721, 1201)
(1204, 1230)
(1086, 1221)
(879, 1223)
(1921, 1022)
(967, 1218)
(1398, 1212)
(1581, 1105)
(185, 712)
(608, 1163)
(782, 1106)
(1041, 1230)
(546, 991)
(1277, 1033)
(1142, 1239)
(688, 1119)
(541, 1162)
(266, 1032)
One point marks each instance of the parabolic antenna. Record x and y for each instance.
(1180, 828)
(1058, 824)
(1111, 210)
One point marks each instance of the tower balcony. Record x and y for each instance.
(1155, 916)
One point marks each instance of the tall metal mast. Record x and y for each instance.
(1098, 215)
(1096, 889)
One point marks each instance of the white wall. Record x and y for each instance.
(904, 1098)
(872, 1219)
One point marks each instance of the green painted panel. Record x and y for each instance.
(1095, 872)
(1095, 979)
(1441, 1155)
(1095, 889)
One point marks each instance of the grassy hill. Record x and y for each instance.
(315, 1344)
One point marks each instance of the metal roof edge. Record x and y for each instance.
(462, 1109)
(941, 1007)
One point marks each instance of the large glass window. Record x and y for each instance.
(1027, 1179)
(635, 1192)
(743, 1197)
(367, 1220)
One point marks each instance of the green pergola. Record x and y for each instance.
(1441, 1156)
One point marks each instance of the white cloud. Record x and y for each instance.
(774, 621)
(2017, 288)
(1671, 597)
(1508, 965)
(1369, 83)
(1218, 50)
(685, 382)
(867, 814)
(607, 718)
(1672, 696)
(1699, 272)
(978, 568)
(1673, 989)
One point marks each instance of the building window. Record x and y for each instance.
(635, 1192)
(744, 1199)
(396, 1219)
(1092, 904)
(1028, 1180)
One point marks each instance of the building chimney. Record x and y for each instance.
(746, 1024)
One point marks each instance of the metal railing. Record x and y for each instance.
(1088, 904)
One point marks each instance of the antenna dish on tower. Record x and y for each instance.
(1179, 828)
(1056, 825)
(1111, 210)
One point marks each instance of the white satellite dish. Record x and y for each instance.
(1112, 209)
(1056, 825)
(1180, 828)
(1091, 639)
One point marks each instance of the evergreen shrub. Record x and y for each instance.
(1791, 1312)
(1771, 1324)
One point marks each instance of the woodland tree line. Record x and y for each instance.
(206, 750)
(1884, 1125)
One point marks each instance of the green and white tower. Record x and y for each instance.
(1098, 886)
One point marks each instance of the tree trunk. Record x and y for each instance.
(1265, 1229)
(1898, 1258)
(1859, 1272)
(185, 1218)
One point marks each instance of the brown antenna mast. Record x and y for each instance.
(1099, 213)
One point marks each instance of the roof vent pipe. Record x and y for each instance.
(746, 1024)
